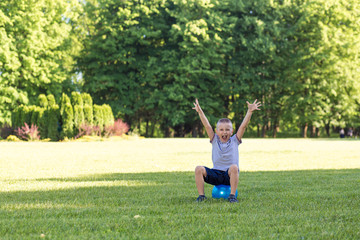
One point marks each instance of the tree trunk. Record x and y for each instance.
(275, 128)
(152, 129)
(327, 129)
(167, 132)
(263, 131)
(305, 128)
(147, 128)
(313, 131)
(275, 131)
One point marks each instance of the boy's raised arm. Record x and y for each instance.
(204, 120)
(251, 107)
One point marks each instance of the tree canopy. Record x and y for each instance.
(149, 60)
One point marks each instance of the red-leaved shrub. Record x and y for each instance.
(88, 130)
(28, 133)
(6, 131)
(117, 129)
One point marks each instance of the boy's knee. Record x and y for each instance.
(200, 170)
(233, 169)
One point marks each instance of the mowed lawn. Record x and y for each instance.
(144, 189)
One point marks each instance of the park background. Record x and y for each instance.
(149, 60)
(106, 67)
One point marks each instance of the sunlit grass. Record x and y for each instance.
(43, 160)
(144, 189)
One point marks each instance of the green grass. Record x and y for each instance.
(87, 191)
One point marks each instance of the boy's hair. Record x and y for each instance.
(223, 120)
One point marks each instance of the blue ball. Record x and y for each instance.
(222, 191)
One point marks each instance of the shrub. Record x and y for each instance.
(88, 130)
(35, 115)
(98, 116)
(42, 122)
(87, 99)
(19, 116)
(67, 121)
(76, 99)
(88, 114)
(12, 138)
(6, 131)
(78, 116)
(117, 129)
(28, 111)
(108, 115)
(28, 133)
(63, 102)
(51, 100)
(43, 102)
(53, 124)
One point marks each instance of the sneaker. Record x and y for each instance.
(201, 198)
(232, 199)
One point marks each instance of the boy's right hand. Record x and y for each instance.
(197, 107)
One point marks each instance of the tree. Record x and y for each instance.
(323, 62)
(38, 44)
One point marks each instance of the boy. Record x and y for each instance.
(225, 154)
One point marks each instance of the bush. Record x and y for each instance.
(35, 115)
(88, 114)
(108, 115)
(6, 131)
(67, 121)
(78, 116)
(53, 115)
(117, 129)
(28, 133)
(43, 102)
(87, 99)
(12, 138)
(98, 116)
(63, 102)
(76, 99)
(88, 130)
(19, 117)
(42, 121)
(51, 100)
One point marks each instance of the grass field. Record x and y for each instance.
(144, 189)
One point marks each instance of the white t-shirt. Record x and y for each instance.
(225, 154)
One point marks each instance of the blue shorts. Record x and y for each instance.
(217, 177)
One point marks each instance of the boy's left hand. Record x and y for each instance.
(254, 106)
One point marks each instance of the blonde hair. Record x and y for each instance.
(223, 120)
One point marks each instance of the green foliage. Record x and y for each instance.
(150, 59)
(87, 99)
(43, 101)
(42, 121)
(88, 108)
(53, 116)
(78, 116)
(38, 45)
(76, 99)
(63, 102)
(88, 114)
(51, 100)
(98, 116)
(67, 121)
(108, 115)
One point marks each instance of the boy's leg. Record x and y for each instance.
(200, 174)
(234, 178)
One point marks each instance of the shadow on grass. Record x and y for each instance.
(156, 205)
(145, 189)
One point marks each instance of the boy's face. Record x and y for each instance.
(224, 131)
